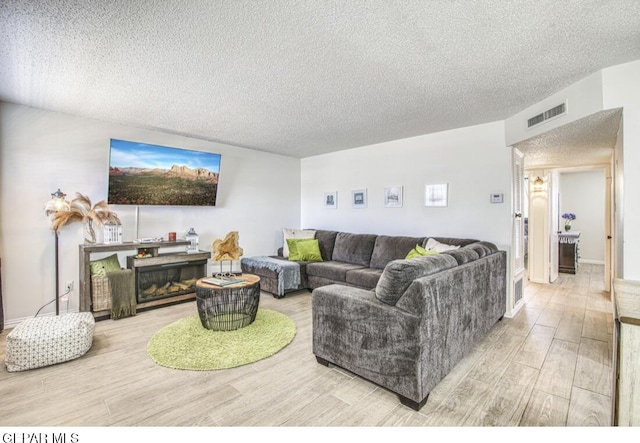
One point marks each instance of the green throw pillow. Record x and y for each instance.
(419, 251)
(309, 251)
(104, 265)
(304, 249)
(292, 245)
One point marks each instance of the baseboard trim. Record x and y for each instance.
(591, 262)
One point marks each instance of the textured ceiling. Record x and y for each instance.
(585, 142)
(305, 77)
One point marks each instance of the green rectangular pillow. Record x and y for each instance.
(304, 249)
(104, 265)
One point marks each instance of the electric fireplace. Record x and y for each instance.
(165, 277)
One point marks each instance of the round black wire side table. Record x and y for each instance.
(226, 308)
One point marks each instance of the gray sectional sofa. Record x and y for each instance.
(350, 259)
(400, 323)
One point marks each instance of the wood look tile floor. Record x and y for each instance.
(550, 365)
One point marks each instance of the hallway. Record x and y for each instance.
(570, 332)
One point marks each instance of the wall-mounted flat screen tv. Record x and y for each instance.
(144, 174)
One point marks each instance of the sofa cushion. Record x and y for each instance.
(293, 234)
(387, 248)
(463, 255)
(366, 278)
(354, 248)
(331, 270)
(398, 275)
(326, 242)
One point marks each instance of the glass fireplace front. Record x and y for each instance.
(168, 280)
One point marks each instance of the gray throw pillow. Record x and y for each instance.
(480, 248)
(463, 255)
(399, 274)
(492, 247)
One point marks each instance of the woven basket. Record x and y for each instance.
(100, 293)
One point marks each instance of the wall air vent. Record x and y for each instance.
(547, 115)
(517, 291)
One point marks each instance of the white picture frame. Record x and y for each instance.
(393, 197)
(331, 200)
(359, 198)
(436, 195)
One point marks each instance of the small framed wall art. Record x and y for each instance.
(359, 198)
(393, 197)
(331, 200)
(436, 195)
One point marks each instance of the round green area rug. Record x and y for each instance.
(186, 344)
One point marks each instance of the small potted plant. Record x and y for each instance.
(568, 218)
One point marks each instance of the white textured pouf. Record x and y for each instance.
(44, 341)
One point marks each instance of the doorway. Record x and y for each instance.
(567, 193)
(563, 161)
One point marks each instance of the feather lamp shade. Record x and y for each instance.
(57, 203)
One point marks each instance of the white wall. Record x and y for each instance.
(617, 222)
(474, 161)
(621, 88)
(583, 193)
(42, 151)
(582, 98)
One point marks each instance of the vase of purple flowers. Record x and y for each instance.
(568, 218)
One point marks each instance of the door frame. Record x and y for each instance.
(540, 203)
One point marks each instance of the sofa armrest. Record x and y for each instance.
(457, 308)
(352, 301)
(355, 330)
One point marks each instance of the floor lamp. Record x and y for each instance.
(57, 204)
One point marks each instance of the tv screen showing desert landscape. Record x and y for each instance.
(146, 174)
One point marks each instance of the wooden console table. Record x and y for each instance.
(152, 248)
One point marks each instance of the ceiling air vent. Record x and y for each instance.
(547, 115)
(535, 120)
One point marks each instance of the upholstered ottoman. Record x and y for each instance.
(44, 341)
(277, 275)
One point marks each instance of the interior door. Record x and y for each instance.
(554, 225)
(608, 226)
(518, 219)
(515, 298)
